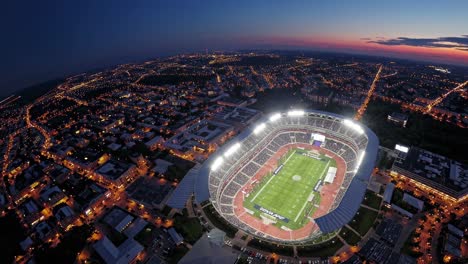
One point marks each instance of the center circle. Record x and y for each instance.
(296, 178)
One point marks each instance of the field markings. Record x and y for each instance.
(325, 169)
(263, 187)
(305, 204)
(284, 195)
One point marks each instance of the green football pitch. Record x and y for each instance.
(289, 192)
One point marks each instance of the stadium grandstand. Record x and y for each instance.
(244, 172)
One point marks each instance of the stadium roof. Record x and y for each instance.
(387, 196)
(352, 199)
(184, 190)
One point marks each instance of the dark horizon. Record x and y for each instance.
(52, 39)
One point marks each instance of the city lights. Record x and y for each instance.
(125, 135)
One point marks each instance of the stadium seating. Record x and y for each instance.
(257, 149)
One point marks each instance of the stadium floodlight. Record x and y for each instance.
(296, 113)
(354, 126)
(402, 148)
(348, 122)
(232, 150)
(275, 117)
(217, 163)
(359, 129)
(359, 161)
(259, 128)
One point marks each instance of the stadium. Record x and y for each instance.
(291, 177)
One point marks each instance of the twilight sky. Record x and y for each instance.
(46, 39)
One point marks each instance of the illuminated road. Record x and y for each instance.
(253, 70)
(79, 102)
(389, 75)
(363, 107)
(31, 124)
(442, 97)
(151, 72)
(80, 85)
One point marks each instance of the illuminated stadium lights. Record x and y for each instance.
(232, 150)
(360, 160)
(275, 117)
(401, 148)
(217, 163)
(347, 122)
(359, 130)
(259, 128)
(353, 125)
(296, 113)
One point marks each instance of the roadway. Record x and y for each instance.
(439, 99)
(363, 107)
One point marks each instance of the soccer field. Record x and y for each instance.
(288, 192)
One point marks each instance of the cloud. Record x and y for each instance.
(366, 39)
(459, 43)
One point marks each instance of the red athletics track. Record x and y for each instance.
(328, 194)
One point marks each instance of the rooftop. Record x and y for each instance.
(118, 219)
(149, 190)
(113, 169)
(436, 170)
(125, 253)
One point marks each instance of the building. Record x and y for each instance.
(175, 236)
(229, 101)
(52, 195)
(433, 173)
(398, 118)
(116, 172)
(43, 231)
(320, 95)
(123, 254)
(199, 140)
(150, 192)
(238, 117)
(64, 214)
(124, 222)
(87, 195)
(118, 219)
(413, 201)
(209, 249)
(154, 143)
(127, 224)
(161, 166)
(30, 211)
